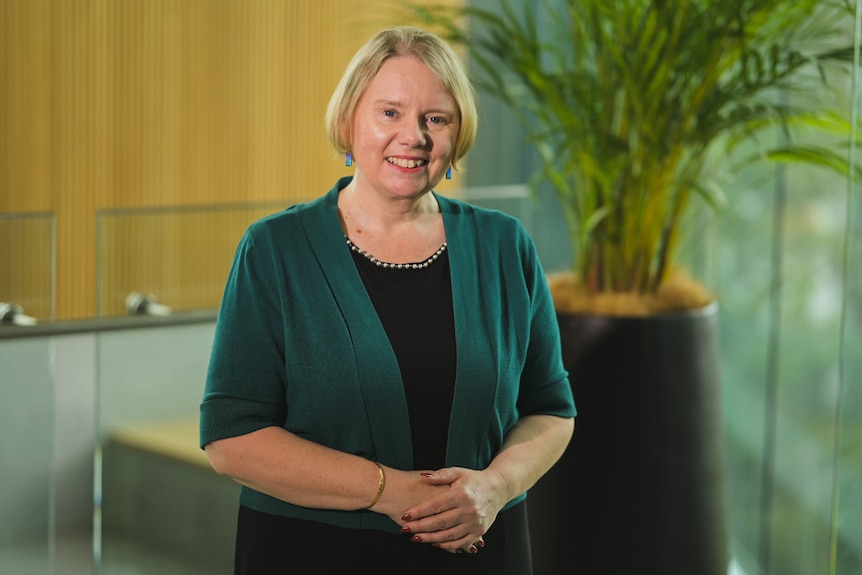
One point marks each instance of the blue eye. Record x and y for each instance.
(440, 120)
(389, 113)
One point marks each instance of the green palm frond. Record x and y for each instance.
(627, 101)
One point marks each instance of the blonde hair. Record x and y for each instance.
(402, 41)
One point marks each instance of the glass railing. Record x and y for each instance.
(29, 468)
(27, 270)
(100, 463)
(163, 509)
(174, 257)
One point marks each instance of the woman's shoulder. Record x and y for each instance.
(284, 220)
(482, 216)
(493, 225)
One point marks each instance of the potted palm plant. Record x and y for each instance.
(638, 110)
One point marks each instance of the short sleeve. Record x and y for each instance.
(245, 385)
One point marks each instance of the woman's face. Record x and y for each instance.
(404, 130)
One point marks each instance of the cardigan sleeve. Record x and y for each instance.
(245, 381)
(545, 387)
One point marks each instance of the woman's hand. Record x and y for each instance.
(403, 490)
(458, 517)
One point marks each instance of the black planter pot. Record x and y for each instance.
(641, 488)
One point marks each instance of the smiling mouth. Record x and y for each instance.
(402, 163)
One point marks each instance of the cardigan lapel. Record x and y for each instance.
(477, 361)
(377, 371)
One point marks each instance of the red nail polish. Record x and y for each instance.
(405, 529)
(416, 539)
(425, 474)
(406, 517)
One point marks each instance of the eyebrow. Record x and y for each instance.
(387, 102)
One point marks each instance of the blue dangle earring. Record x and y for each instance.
(449, 173)
(348, 159)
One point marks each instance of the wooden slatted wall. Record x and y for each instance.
(125, 104)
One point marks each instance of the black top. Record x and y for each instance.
(415, 307)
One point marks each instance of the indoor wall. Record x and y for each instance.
(112, 106)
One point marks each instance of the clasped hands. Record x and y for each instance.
(450, 508)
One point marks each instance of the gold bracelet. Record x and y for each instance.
(380, 485)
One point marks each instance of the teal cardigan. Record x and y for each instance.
(298, 344)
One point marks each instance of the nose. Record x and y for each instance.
(414, 134)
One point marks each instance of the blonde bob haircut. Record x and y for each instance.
(401, 41)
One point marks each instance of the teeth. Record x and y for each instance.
(405, 163)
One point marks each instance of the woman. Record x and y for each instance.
(386, 380)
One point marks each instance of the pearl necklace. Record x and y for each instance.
(378, 263)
